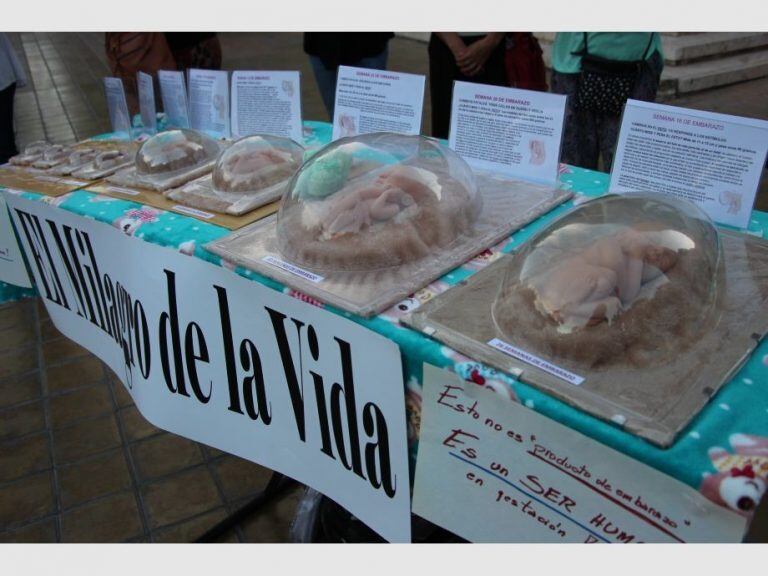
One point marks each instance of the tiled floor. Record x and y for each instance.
(77, 460)
(78, 463)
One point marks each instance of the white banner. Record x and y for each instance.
(222, 360)
(507, 130)
(714, 160)
(12, 269)
(370, 100)
(266, 102)
(491, 470)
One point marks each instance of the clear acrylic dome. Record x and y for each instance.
(174, 151)
(374, 201)
(255, 163)
(632, 276)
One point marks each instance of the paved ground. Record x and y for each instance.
(78, 463)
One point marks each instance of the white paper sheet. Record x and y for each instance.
(713, 160)
(377, 101)
(12, 268)
(209, 101)
(119, 117)
(147, 102)
(266, 102)
(174, 95)
(508, 131)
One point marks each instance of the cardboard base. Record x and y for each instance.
(38, 181)
(655, 402)
(507, 206)
(158, 200)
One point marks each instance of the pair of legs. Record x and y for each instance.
(443, 72)
(326, 77)
(588, 135)
(7, 134)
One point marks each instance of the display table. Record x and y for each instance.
(736, 417)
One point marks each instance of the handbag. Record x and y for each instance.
(524, 62)
(605, 84)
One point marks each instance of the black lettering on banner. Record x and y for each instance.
(141, 328)
(193, 353)
(170, 319)
(46, 270)
(95, 278)
(229, 350)
(74, 281)
(250, 360)
(295, 385)
(377, 452)
(322, 409)
(348, 391)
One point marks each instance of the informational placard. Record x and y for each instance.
(119, 117)
(492, 470)
(209, 101)
(370, 100)
(223, 360)
(266, 102)
(174, 95)
(147, 102)
(508, 131)
(12, 268)
(713, 160)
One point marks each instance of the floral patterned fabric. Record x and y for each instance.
(723, 452)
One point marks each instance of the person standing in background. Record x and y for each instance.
(466, 56)
(201, 50)
(590, 134)
(11, 77)
(329, 50)
(131, 52)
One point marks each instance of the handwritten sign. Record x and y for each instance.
(377, 101)
(491, 470)
(12, 269)
(508, 131)
(713, 160)
(222, 360)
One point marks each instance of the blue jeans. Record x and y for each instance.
(326, 78)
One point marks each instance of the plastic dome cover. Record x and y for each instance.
(174, 151)
(375, 201)
(255, 163)
(632, 276)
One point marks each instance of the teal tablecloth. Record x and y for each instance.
(731, 432)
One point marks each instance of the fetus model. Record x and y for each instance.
(395, 215)
(168, 152)
(595, 284)
(253, 169)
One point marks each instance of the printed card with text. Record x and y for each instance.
(209, 101)
(369, 100)
(492, 470)
(147, 102)
(508, 131)
(713, 160)
(174, 95)
(267, 102)
(119, 117)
